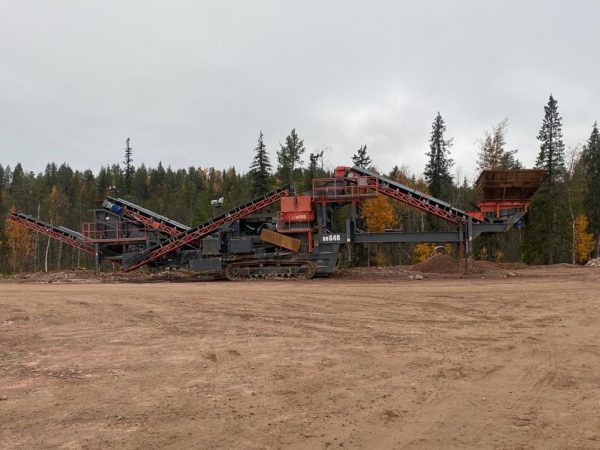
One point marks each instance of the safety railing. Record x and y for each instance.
(344, 188)
(113, 232)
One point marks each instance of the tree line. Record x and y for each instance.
(563, 224)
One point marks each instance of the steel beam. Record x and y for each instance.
(441, 237)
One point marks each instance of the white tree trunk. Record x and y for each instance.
(46, 257)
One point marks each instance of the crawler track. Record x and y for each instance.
(303, 270)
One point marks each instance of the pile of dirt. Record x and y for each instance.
(492, 269)
(593, 263)
(439, 264)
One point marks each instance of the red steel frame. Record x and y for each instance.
(298, 220)
(496, 208)
(283, 226)
(350, 189)
(84, 246)
(189, 237)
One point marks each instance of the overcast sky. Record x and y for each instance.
(192, 82)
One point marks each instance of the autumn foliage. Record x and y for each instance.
(584, 241)
(377, 213)
(423, 251)
(19, 241)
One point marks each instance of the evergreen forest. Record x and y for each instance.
(563, 225)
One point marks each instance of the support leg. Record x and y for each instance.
(469, 246)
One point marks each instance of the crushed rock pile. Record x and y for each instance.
(446, 264)
(439, 264)
(593, 263)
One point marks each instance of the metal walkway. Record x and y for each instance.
(199, 231)
(417, 199)
(149, 219)
(56, 232)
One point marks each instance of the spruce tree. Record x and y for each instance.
(437, 170)
(591, 160)
(547, 222)
(289, 157)
(552, 149)
(128, 167)
(260, 169)
(360, 158)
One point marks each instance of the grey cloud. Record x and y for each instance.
(192, 82)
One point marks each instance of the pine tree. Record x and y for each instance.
(128, 167)
(139, 184)
(260, 169)
(552, 149)
(547, 221)
(591, 161)
(508, 161)
(289, 157)
(437, 170)
(360, 158)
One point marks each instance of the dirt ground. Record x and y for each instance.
(510, 362)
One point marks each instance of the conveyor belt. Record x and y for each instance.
(56, 232)
(416, 198)
(199, 231)
(148, 218)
